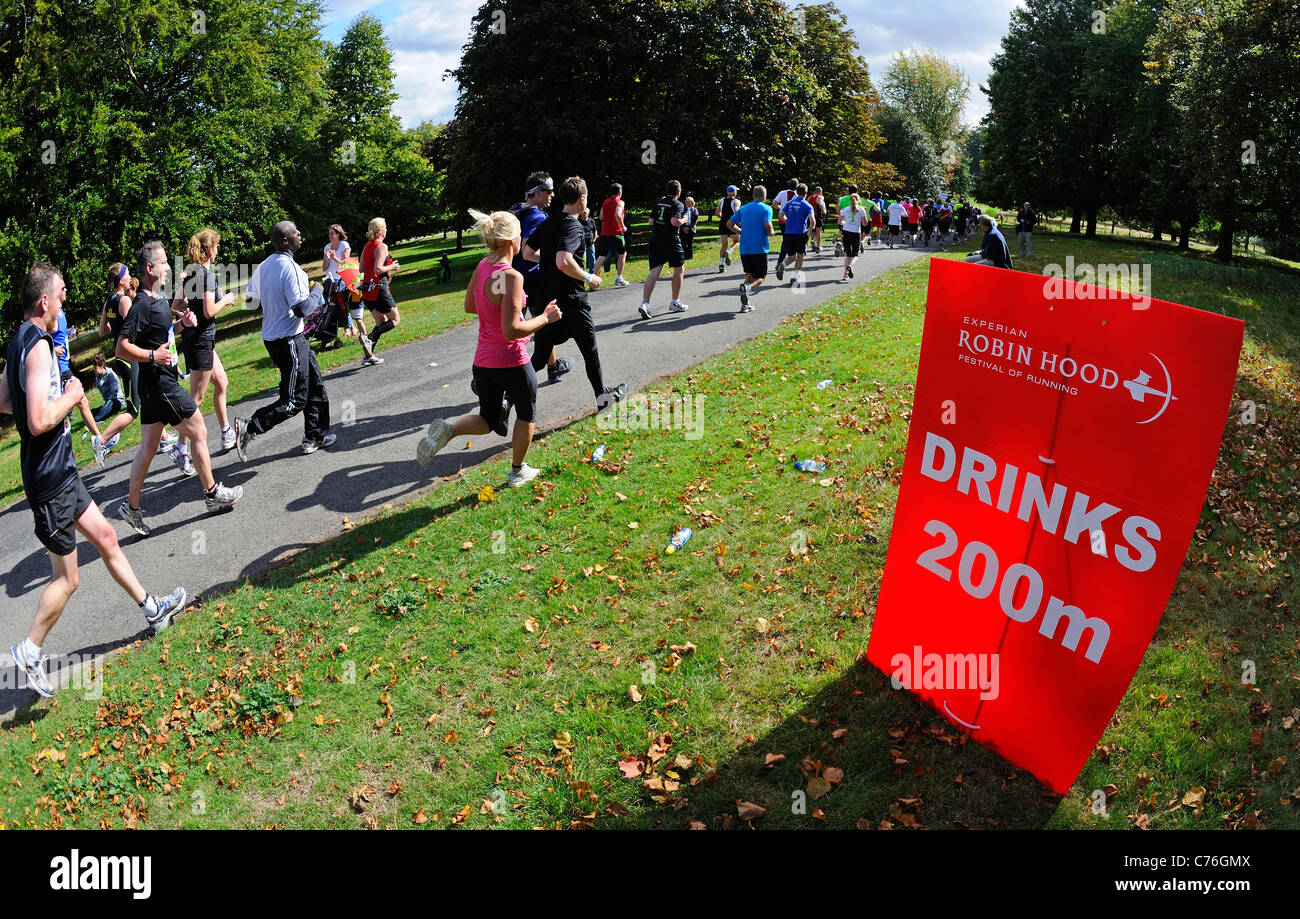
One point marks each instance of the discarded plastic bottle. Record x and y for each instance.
(678, 540)
(824, 383)
(809, 466)
(598, 454)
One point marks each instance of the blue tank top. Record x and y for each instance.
(48, 466)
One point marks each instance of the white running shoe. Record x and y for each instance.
(433, 441)
(522, 476)
(677, 306)
(112, 442)
(227, 438)
(644, 310)
(100, 450)
(222, 497)
(34, 669)
(168, 607)
(182, 461)
(621, 281)
(169, 440)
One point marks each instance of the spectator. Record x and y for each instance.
(110, 388)
(994, 250)
(688, 228)
(1026, 220)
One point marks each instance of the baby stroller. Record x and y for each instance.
(322, 326)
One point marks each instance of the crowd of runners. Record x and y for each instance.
(544, 256)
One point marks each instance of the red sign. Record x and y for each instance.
(1061, 442)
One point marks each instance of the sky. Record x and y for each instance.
(426, 37)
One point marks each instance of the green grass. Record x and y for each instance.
(459, 653)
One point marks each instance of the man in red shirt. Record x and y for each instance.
(612, 245)
(913, 220)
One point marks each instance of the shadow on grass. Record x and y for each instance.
(902, 761)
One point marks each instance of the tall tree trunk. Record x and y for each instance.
(1227, 228)
(1075, 219)
(1092, 223)
(460, 244)
(1185, 235)
(1156, 235)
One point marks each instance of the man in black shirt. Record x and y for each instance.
(666, 247)
(33, 393)
(162, 401)
(1026, 220)
(557, 246)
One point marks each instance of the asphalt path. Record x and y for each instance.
(293, 501)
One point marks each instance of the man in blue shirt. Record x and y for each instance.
(994, 251)
(532, 214)
(798, 213)
(754, 224)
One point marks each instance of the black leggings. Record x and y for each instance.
(577, 325)
(129, 372)
(520, 382)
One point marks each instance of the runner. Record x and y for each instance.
(502, 369)
(913, 221)
(555, 245)
(851, 221)
(945, 220)
(961, 216)
(877, 218)
(727, 206)
(111, 317)
(818, 202)
(753, 223)
(204, 301)
(798, 214)
(144, 340)
(335, 254)
(844, 202)
(279, 288)
(666, 220)
(897, 212)
(65, 373)
(377, 267)
(688, 228)
(778, 207)
(929, 220)
(531, 214)
(34, 395)
(612, 245)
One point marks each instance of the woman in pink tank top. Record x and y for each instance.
(503, 372)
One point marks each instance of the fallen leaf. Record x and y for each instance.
(419, 817)
(1194, 797)
(683, 650)
(833, 774)
(773, 759)
(631, 768)
(633, 693)
(487, 494)
(748, 810)
(530, 624)
(818, 787)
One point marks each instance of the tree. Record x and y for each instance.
(931, 88)
(844, 135)
(908, 149)
(1234, 77)
(705, 91)
(123, 120)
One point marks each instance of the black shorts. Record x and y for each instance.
(56, 519)
(911, 227)
(754, 263)
(795, 243)
(165, 402)
(611, 246)
(852, 242)
(668, 253)
(198, 352)
(894, 229)
(520, 382)
(383, 302)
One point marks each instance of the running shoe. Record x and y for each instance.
(744, 297)
(371, 361)
(611, 395)
(100, 451)
(243, 437)
(168, 607)
(134, 518)
(227, 438)
(721, 268)
(621, 281)
(728, 257)
(169, 440)
(522, 476)
(182, 461)
(644, 310)
(112, 442)
(311, 445)
(558, 369)
(845, 276)
(433, 441)
(850, 271)
(780, 269)
(34, 669)
(677, 306)
(222, 497)
(746, 307)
